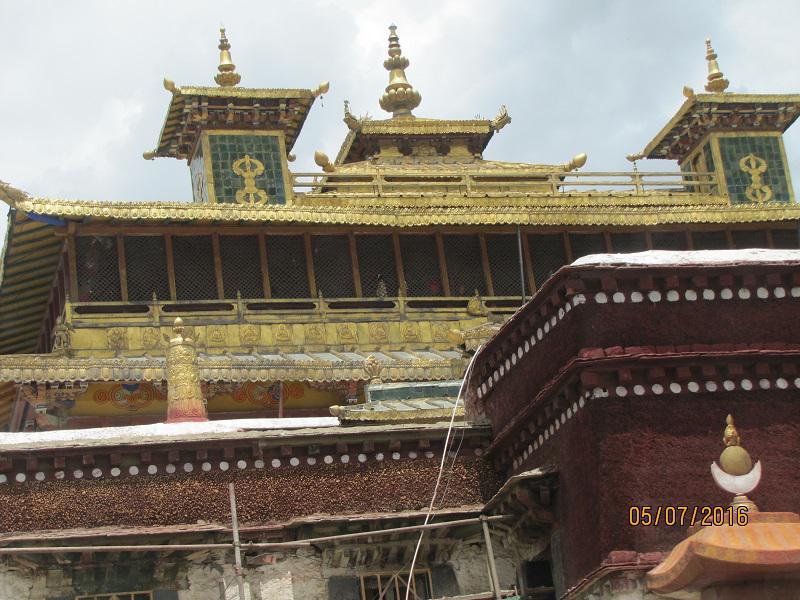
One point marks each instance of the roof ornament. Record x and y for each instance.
(716, 82)
(227, 76)
(400, 97)
(502, 119)
(736, 473)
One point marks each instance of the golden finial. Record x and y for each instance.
(734, 460)
(731, 436)
(400, 97)
(177, 326)
(716, 82)
(227, 76)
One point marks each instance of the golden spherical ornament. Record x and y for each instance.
(735, 460)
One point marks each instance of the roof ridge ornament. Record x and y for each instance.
(400, 97)
(736, 472)
(227, 76)
(716, 82)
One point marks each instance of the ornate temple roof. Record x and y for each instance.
(400, 98)
(192, 108)
(719, 110)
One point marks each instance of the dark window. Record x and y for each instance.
(586, 243)
(376, 265)
(668, 240)
(146, 268)
(462, 255)
(193, 257)
(421, 265)
(539, 579)
(333, 267)
(504, 264)
(784, 238)
(98, 269)
(628, 242)
(749, 239)
(709, 240)
(288, 275)
(241, 266)
(547, 255)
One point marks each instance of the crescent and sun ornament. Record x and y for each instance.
(736, 472)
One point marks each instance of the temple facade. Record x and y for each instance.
(258, 393)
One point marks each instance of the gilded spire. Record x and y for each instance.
(227, 76)
(716, 82)
(400, 97)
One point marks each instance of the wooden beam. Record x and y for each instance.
(170, 267)
(442, 264)
(262, 251)
(123, 273)
(354, 260)
(526, 257)
(218, 266)
(312, 281)
(72, 257)
(487, 271)
(398, 265)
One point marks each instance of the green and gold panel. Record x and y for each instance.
(247, 168)
(755, 169)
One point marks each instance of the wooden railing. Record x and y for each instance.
(523, 183)
(281, 308)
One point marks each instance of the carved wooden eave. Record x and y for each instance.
(53, 369)
(194, 108)
(363, 138)
(702, 113)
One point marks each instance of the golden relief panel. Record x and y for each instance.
(378, 332)
(118, 339)
(249, 335)
(281, 334)
(441, 330)
(410, 332)
(347, 333)
(217, 335)
(151, 338)
(314, 333)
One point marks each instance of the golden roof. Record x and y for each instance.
(227, 107)
(719, 110)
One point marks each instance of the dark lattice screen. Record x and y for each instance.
(241, 266)
(547, 255)
(504, 264)
(146, 267)
(462, 255)
(750, 239)
(375, 264)
(784, 238)
(668, 240)
(288, 274)
(98, 269)
(586, 243)
(193, 257)
(333, 265)
(709, 240)
(628, 242)
(421, 265)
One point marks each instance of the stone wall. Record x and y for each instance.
(301, 575)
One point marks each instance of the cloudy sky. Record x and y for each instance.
(82, 94)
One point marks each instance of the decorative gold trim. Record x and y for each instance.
(574, 214)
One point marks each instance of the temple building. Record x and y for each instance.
(344, 384)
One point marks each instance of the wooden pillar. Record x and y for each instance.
(173, 295)
(123, 273)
